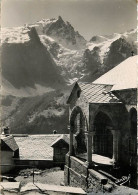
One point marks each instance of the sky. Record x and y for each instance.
(89, 17)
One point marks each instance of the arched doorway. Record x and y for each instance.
(103, 138)
(78, 126)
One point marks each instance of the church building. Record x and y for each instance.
(103, 123)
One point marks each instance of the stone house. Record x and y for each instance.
(103, 121)
(9, 153)
(60, 149)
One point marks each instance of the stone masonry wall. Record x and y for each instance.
(97, 182)
(76, 174)
(94, 185)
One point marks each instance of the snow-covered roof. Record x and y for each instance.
(123, 76)
(36, 147)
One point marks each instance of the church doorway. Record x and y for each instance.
(103, 138)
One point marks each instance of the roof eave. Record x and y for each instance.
(58, 142)
(105, 103)
(133, 88)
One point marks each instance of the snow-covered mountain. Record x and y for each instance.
(41, 61)
(51, 48)
(61, 32)
(105, 52)
(104, 43)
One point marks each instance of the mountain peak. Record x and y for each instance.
(60, 18)
(62, 32)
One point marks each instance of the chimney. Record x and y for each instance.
(6, 131)
(54, 132)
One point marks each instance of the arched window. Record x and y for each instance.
(103, 138)
(78, 126)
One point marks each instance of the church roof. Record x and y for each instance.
(123, 76)
(98, 93)
(94, 93)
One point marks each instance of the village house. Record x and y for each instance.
(103, 121)
(60, 149)
(42, 151)
(9, 152)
